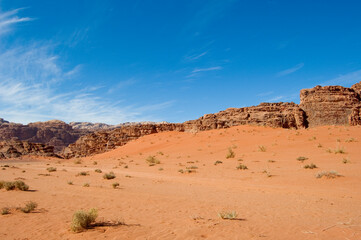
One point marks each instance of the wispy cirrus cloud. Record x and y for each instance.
(194, 57)
(34, 86)
(345, 79)
(196, 70)
(9, 19)
(290, 70)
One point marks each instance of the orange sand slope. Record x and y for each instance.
(275, 198)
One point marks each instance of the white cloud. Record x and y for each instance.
(196, 56)
(345, 79)
(33, 85)
(290, 70)
(207, 69)
(9, 18)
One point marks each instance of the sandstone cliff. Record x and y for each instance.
(16, 148)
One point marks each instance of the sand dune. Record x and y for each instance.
(275, 198)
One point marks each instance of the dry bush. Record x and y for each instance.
(82, 220)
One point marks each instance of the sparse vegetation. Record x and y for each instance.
(160, 169)
(70, 183)
(340, 150)
(98, 171)
(82, 220)
(217, 162)
(242, 167)
(345, 160)
(95, 163)
(228, 215)
(181, 171)
(82, 174)
(115, 185)
(328, 174)
(77, 161)
(29, 207)
(51, 169)
(271, 161)
(19, 185)
(108, 176)
(350, 140)
(152, 160)
(302, 159)
(319, 145)
(192, 167)
(262, 148)
(310, 166)
(5, 211)
(86, 185)
(230, 153)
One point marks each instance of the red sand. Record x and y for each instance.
(276, 199)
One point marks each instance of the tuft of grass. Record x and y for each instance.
(328, 174)
(82, 174)
(5, 211)
(345, 160)
(271, 161)
(350, 140)
(95, 163)
(152, 160)
(228, 215)
(262, 148)
(108, 176)
(242, 167)
(82, 220)
(98, 171)
(29, 207)
(310, 166)
(70, 182)
(217, 162)
(181, 171)
(86, 185)
(302, 159)
(115, 185)
(51, 169)
(340, 150)
(77, 161)
(19, 185)
(230, 153)
(192, 167)
(319, 145)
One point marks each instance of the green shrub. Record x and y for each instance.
(108, 176)
(82, 220)
(29, 207)
(21, 185)
(82, 174)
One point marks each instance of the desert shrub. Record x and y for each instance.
(98, 171)
(95, 163)
(262, 148)
(230, 153)
(86, 185)
(192, 167)
(181, 171)
(328, 174)
(217, 162)
(152, 160)
(108, 176)
(5, 211)
(340, 150)
(20, 185)
(70, 182)
(302, 159)
(51, 169)
(228, 215)
(29, 207)
(82, 174)
(310, 166)
(115, 185)
(345, 160)
(350, 140)
(77, 162)
(2, 184)
(242, 167)
(82, 219)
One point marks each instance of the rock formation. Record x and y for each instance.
(55, 133)
(16, 148)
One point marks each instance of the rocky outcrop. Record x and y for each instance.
(55, 133)
(330, 105)
(102, 141)
(16, 148)
(286, 115)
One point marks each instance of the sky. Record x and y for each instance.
(116, 61)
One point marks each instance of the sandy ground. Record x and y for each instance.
(275, 198)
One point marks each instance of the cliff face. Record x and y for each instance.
(16, 148)
(55, 133)
(331, 105)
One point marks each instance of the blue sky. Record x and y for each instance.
(117, 61)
